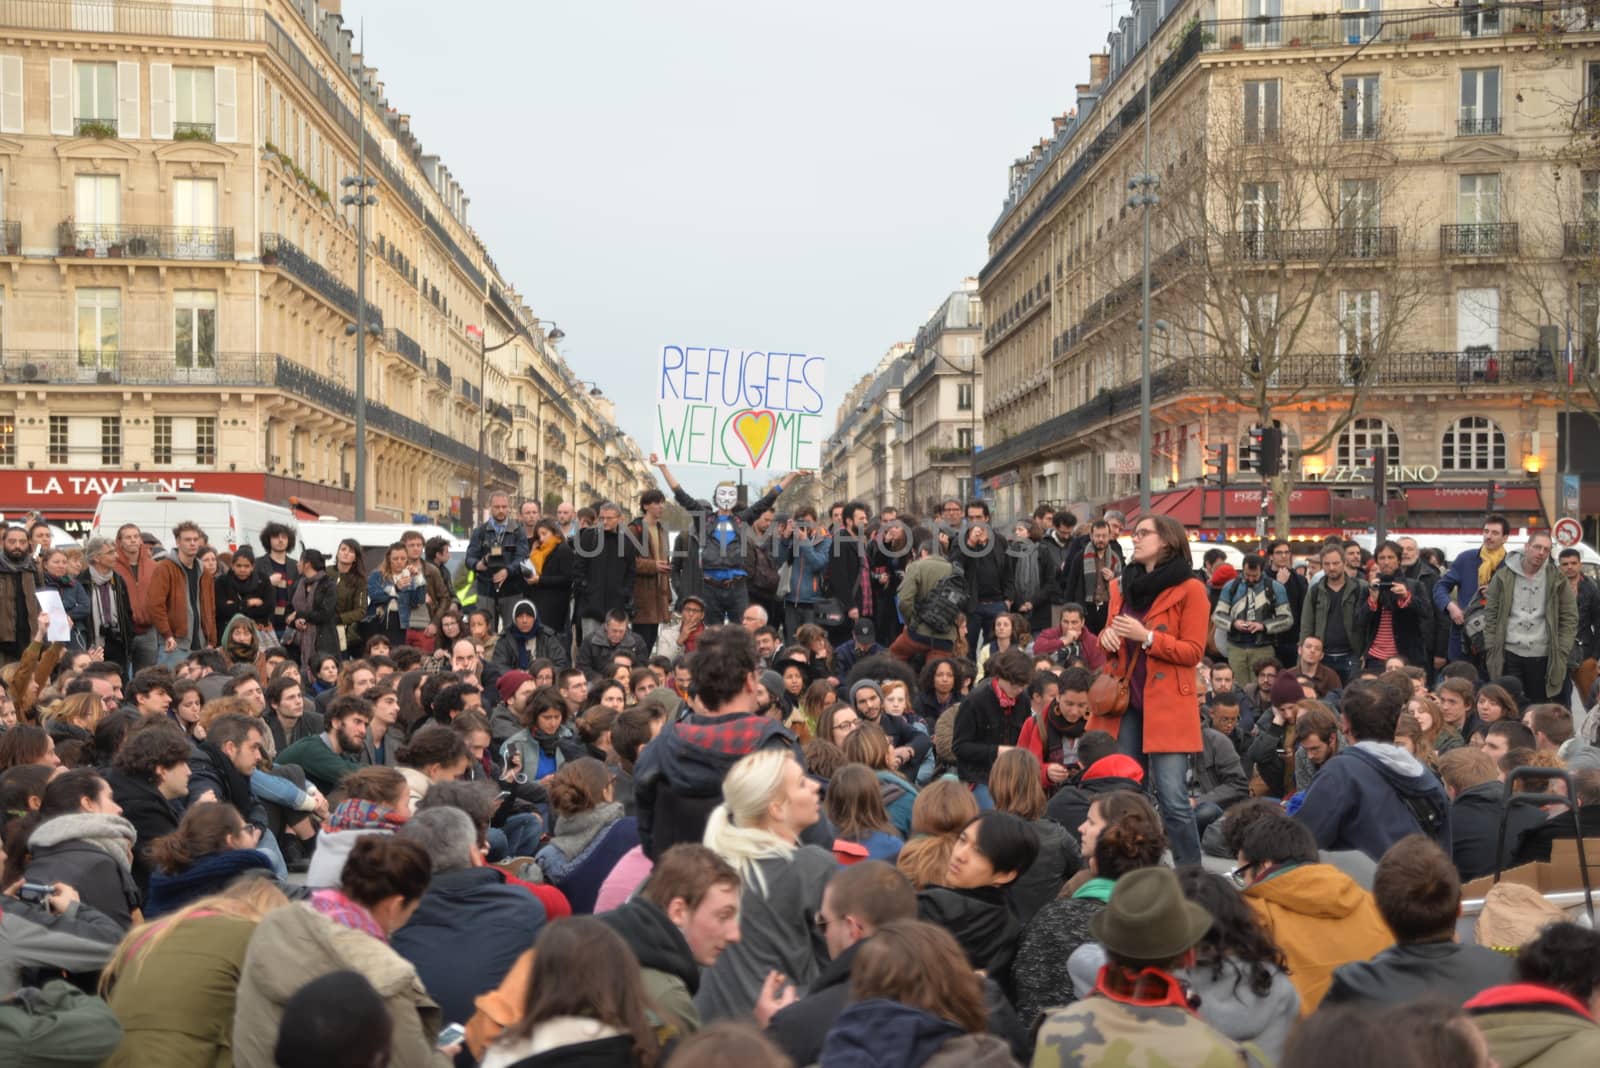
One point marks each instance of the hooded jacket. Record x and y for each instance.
(1369, 795)
(515, 649)
(1560, 619)
(92, 853)
(982, 920)
(1529, 1026)
(1447, 971)
(1321, 919)
(1070, 805)
(879, 1033)
(671, 976)
(235, 653)
(467, 932)
(295, 945)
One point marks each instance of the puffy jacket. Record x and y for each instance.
(467, 932)
(1369, 795)
(1321, 919)
(1530, 1026)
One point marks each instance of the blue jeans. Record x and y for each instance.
(980, 794)
(269, 846)
(518, 838)
(980, 623)
(1166, 776)
(1341, 664)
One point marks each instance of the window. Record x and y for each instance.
(194, 213)
(1473, 443)
(72, 438)
(964, 438)
(97, 210)
(1358, 203)
(1269, 31)
(195, 329)
(1480, 102)
(99, 330)
(1479, 18)
(1358, 332)
(8, 441)
(185, 440)
(1360, 108)
(1259, 218)
(1261, 112)
(963, 396)
(1258, 331)
(1478, 199)
(94, 93)
(966, 346)
(1363, 434)
(1589, 205)
(1589, 326)
(195, 108)
(1360, 27)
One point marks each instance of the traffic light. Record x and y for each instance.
(1271, 451)
(1250, 450)
(1217, 457)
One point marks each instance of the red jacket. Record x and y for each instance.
(138, 589)
(1181, 620)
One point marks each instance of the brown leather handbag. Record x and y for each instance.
(1108, 693)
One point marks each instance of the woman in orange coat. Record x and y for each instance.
(1159, 620)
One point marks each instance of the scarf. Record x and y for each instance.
(303, 600)
(1141, 586)
(1025, 573)
(357, 815)
(1006, 703)
(575, 832)
(545, 742)
(236, 786)
(541, 552)
(1488, 563)
(112, 835)
(102, 603)
(347, 913)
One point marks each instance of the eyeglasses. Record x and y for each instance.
(1144, 532)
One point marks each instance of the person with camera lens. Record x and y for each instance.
(1395, 616)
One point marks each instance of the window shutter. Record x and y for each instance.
(227, 96)
(10, 94)
(128, 101)
(163, 97)
(61, 97)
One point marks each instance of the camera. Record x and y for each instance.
(35, 893)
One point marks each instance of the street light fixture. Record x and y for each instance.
(361, 200)
(1143, 188)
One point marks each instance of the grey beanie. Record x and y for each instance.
(865, 684)
(773, 683)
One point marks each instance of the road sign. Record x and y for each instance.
(1571, 487)
(1568, 532)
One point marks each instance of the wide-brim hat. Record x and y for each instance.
(1148, 918)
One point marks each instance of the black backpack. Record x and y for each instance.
(938, 610)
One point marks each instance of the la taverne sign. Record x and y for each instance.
(48, 490)
(1421, 473)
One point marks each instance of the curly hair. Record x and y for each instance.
(1134, 836)
(1236, 932)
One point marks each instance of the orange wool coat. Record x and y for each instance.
(1181, 619)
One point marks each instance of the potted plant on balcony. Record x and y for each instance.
(269, 257)
(1235, 43)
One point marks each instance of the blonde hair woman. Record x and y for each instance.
(768, 802)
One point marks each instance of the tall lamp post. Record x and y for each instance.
(1143, 187)
(483, 403)
(361, 200)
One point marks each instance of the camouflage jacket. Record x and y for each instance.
(1098, 1032)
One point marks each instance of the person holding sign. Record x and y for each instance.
(720, 534)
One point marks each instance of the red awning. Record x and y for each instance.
(1472, 499)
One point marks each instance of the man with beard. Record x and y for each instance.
(602, 575)
(1090, 572)
(910, 745)
(19, 607)
(1071, 640)
(1281, 569)
(328, 757)
(1053, 550)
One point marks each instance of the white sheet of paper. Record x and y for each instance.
(60, 628)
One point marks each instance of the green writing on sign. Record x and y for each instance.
(753, 438)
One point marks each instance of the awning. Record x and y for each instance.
(1472, 499)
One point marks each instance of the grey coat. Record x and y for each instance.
(1560, 620)
(1218, 772)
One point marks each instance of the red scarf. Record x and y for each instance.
(1006, 703)
(1151, 988)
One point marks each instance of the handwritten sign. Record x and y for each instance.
(749, 408)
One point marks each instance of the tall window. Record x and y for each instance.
(1473, 443)
(1268, 31)
(1360, 27)
(195, 101)
(194, 213)
(1480, 18)
(94, 93)
(195, 329)
(1358, 331)
(1363, 434)
(185, 440)
(1478, 199)
(1480, 102)
(97, 210)
(1259, 215)
(964, 396)
(111, 441)
(1589, 204)
(964, 438)
(1360, 108)
(8, 441)
(99, 330)
(1261, 112)
(1589, 326)
(1258, 337)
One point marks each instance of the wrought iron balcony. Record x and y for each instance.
(948, 454)
(1478, 239)
(135, 19)
(93, 127)
(1319, 30)
(499, 411)
(108, 241)
(1579, 239)
(11, 234)
(1344, 242)
(276, 251)
(1474, 126)
(126, 368)
(1358, 131)
(400, 342)
(194, 131)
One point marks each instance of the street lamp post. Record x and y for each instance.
(594, 390)
(1144, 196)
(361, 200)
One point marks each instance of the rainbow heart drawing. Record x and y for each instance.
(755, 429)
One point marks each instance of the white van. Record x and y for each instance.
(324, 535)
(229, 521)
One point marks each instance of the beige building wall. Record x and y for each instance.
(178, 274)
(941, 399)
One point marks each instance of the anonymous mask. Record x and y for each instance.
(725, 496)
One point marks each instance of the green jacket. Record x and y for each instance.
(1100, 1033)
(1560, 620)
(1540, 1039)
(55, 1025)
(921, 576)
(1314, 611)
(321, 764)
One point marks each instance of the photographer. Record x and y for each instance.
(1395, 615)
(46, 928)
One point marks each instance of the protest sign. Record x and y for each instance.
(748, 408)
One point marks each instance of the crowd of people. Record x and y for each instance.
(791, 789)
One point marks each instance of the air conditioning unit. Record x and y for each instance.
(32, 372)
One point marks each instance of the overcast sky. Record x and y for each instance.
(811, 178)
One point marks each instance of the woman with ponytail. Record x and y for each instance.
(210, 849)
(591, 833)
(768, 800)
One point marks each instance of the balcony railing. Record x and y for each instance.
(1478, 239)
(399, 342)
(134, 19)
(1347, 29)
(1262, 135)
(94, 127)
(276, 251)
(949, 454)
(194, 131)
(103, 241)
(499, 411)
(1579, 238)
(1473, 126)
(11, 234)
(1358, 131)
(1348, 242)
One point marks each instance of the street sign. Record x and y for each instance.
(1571, 487)
(1122, 463)
(1568, 532)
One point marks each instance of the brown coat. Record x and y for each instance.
(13, 629)
(168, 603)
(652, 590)
(138, 588)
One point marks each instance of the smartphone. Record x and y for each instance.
(451, 1034)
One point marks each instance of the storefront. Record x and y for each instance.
(68, 498)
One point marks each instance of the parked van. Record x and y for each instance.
(229, 521)
(324, 535)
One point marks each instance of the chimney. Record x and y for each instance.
(1099, 67)
(1060, 121)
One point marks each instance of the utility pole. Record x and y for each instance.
(361, 200)
(1380, 493)
(1221, 464)
(1144, 196)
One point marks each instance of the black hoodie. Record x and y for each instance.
(662, 950)
(982, 920)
